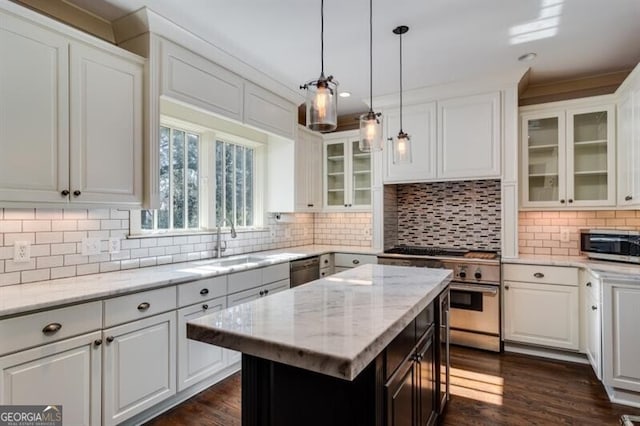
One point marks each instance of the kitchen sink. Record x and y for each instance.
(233, 261)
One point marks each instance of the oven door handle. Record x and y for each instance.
(475, 288)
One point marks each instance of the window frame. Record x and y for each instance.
(206, 185)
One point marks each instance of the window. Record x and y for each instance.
(179, 183)
(234, 183)
(191, 201)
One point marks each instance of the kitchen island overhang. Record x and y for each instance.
(327, 339)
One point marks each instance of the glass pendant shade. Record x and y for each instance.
(370, 132)
(402, 149)
(322, 104)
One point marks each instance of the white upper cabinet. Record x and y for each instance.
(461, 141)
(268, 111)
(629, 143)
(347, 173)
(194, 80)
(469, 137)
(106, 127)
(308, 176)
(568, 156)
(419, 121)
(70, 119)
(34, 112)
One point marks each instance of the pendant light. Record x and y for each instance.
(402, 143)
(322, 94)
(371, 122)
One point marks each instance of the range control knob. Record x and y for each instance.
(462, 273)
(478, 274)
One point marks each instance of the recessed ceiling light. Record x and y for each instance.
(345, 94)
(527, 57)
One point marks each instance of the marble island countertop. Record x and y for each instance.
(335, 326)
(22, 298)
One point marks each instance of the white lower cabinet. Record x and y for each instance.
(541, 305)
(66, 373)
(621, 334)
(139, 367)
(197, 360)
(591, 319)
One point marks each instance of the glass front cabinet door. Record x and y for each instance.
(347, 175)
(568, 158)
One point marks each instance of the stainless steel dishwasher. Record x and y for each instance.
(304, 270)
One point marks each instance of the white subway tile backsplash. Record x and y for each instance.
(64, 225)
(63, 272)
(19, 214)
(163, 260)
(40, 250)
(110, 224)
(141, 252)
(75, 214)
(148, 242)
(10, 226)
(98, 214)
(63, 248)
(49, 237)
(122, 254)
(148, 261)
(89, 225)
(31, 276)
(9, 278)
(74, 236)
(157, 251)
(119, 214)
(36, 225)
(49, 262)
(11, 266)
(48, 214)
(75, 259)
(110, 266)
(130, 264)
(11, 238)
(91, 268)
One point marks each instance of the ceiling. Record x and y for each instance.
(448, 40)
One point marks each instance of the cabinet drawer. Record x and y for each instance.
(325, 272)
(326, 261)
(139, 305)
(198, 291)
(26, 331)
(349, 260)
(244, 280)
(275, 273)
(541, 274)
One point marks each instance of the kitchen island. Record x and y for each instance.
(354, 348)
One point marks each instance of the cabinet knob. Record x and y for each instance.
(76, 193)
(355, 261)
(266, 292)
(143, 306)
(561, 201)
(326, 261)
(204, 291)
(261, 292)
(506, 287)
(589, 284)
(594, 308)
(477, 275)
(570, 200)
(51, 329)
(346, 205)
(538, 275)
(628, 198)
(205, 307)
(97, 342)
(65, 193)
(109, 339)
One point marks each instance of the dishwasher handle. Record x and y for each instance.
(298, 265)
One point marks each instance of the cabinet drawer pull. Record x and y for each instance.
(97, 342)
(205, 307)
(594, 308)
(506, 287)
(355, 261)
(309, 205)
(538, 275)
(589, 284)
(51, 329)
(109, 339)
(261, 292)
(143, 306)
(204, 291)
(628, 198)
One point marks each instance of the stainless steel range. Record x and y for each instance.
(475, 290)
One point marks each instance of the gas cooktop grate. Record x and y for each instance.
(437, 251)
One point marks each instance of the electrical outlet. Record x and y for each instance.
(114, 245)
(90, 246)
(272, 232)
(21, 251)
(564, 235)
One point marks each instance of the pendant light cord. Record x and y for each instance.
(370, 55)
(322, 37)
(401, 83)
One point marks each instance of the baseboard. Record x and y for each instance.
(180, 397)
(556, 354)
(623, 397)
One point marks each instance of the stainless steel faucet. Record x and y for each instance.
(219, 247)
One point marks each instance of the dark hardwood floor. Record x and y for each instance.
(486, 389)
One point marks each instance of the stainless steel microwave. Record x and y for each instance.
(610, 244)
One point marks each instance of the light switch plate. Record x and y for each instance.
(564, 235)
(114, 245)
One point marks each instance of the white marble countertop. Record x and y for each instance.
(22, 298)
(601, 268)
(334, 326)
